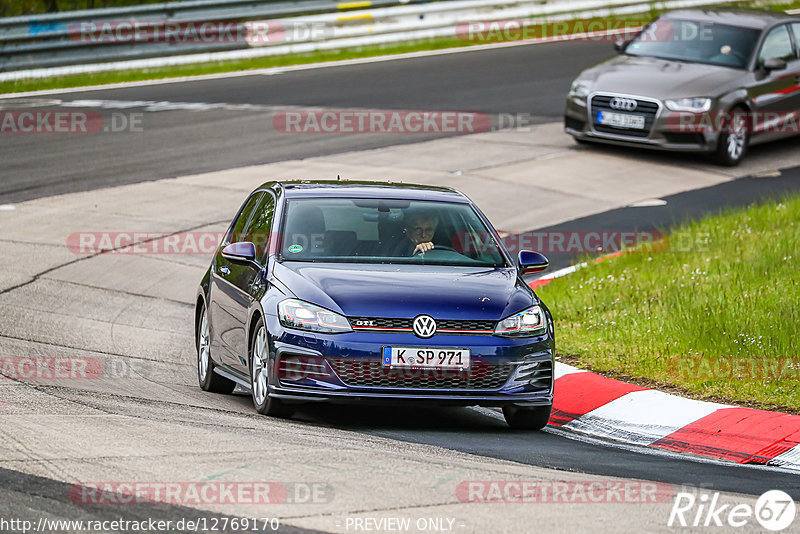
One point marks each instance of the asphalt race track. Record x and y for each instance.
(135, 312)
(509, 80)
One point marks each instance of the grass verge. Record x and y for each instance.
(713, 312)
(102, 78)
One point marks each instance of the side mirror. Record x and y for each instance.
(620, 45)
(532, 262)
(242, 251)
(774, 63)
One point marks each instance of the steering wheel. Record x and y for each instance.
(738, 55)
(438, 247)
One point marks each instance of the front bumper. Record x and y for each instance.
(665, 132)
(347, 369)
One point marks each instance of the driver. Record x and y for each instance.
(418, 229)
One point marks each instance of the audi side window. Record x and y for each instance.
(240, 225)
(778, 44)
(259, 228)
(796, 32)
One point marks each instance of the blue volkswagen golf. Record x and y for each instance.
(372, 292)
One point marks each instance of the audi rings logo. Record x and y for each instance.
(623, 104)
(424, 326)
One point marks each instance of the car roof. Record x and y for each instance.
(745, 18)
(365, 189)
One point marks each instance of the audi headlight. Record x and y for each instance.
(697, 105)
(530, 322)
(305, 316)
(579, 89)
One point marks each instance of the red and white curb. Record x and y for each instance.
(601, 407)
(549, 277)
(597, 406)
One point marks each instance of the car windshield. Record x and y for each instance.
(387, 231)
(696, 42)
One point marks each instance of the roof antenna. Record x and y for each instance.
(338, 178)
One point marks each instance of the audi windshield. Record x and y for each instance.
(696, 42)
(388, 231)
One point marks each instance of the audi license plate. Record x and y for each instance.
(426, 357)
(620, 120)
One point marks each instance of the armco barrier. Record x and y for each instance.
(53, 39)
(50, 49)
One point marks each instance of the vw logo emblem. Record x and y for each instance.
(424, 326)
(623, 104)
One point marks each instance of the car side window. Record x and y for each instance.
(796, 31)
(239, 227)
(778, 44)
(259, 228)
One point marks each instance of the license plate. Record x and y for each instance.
(620, 120)
(426, 357)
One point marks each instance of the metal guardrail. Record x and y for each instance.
(362, 23)
(55, 39)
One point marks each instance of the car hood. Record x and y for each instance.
(358, 290)
(660, 78)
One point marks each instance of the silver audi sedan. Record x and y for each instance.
(714, 81)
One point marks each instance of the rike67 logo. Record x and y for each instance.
(774, 510)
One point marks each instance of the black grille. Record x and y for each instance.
(373, 374)
(539, 374)
(378, 323)
(643, 107)
(443, 326)
(685, 138)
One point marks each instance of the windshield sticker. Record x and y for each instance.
(294, 249)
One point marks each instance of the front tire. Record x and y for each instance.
(520, 418)
(734, 141)
(207, 378)
(260, 376)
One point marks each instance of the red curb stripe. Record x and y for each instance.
(536, 284)
(744, 435)
(768, 453)
(587, 392)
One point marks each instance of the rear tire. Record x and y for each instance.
(733, 142)
(526, 418)
(207, 378)
(260, 375)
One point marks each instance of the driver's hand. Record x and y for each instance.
(422, 248)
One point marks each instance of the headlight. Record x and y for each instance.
(697, 105)
(304, 316)
(530, 322)
(578, 90)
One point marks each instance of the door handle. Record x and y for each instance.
(224, 271)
